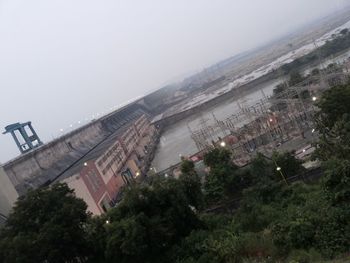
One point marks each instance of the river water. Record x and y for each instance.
(176, 139)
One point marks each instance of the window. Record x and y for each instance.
(94, 180)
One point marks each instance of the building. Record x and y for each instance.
(95, 160)
(100, 175)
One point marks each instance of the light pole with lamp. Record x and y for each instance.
(279, 169)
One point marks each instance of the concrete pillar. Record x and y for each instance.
(8, 193)
(34, 133)
(17, 141)
(25, 137)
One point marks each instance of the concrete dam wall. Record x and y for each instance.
(43, 164)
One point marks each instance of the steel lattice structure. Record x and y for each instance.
(268, 118)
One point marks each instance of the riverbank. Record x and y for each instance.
(236, 92)
(285, 65)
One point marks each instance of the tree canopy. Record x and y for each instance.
(46, 225)
(333, 123)
(148, 221)
(232, 214)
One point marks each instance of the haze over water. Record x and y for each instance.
(63, 62)
(176, 140)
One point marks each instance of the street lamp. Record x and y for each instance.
(137, 174)
(314, 98)
(223, 144)
(279, 169)
(85, 164)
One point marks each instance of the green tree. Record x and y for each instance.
(187, 167)
(337, 44)
(333, 104)
(333, 232)
(261, 169)
(295, 78)
(290, 166)
(217, 184)
(337, 181)
(315, 72)
(96, 232)
(148, 222)
(219, 157)
(191, 184)
(223, 179)
(46, 225)
(333, 124)
(344, 31)
(280, 88)
(220, 244)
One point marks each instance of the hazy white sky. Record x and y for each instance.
(63, 60)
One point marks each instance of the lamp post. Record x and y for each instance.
(279, 169)
(223, 144)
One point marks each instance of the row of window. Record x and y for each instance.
(127, 134)
(142, 118)
(131, 139)
(107, 155)
(141, 124)
(118, 158)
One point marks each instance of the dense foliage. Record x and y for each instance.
(46, 224)
(232, 214)
(148, 222)
(333, 124)
(339, 43)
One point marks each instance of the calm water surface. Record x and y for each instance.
(176, 140)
